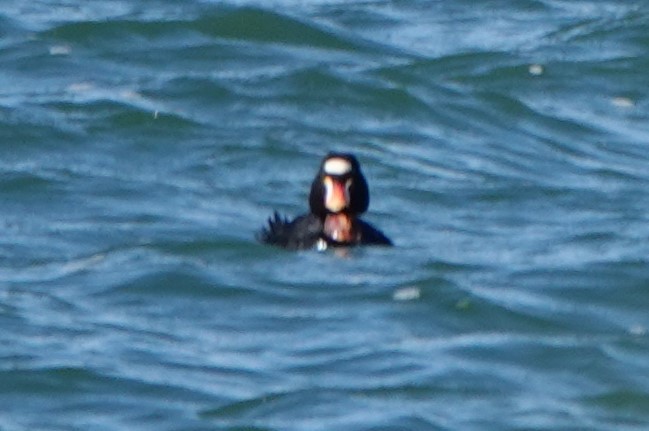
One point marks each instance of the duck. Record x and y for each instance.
(339, 195)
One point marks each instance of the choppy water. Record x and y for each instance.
(142, 143)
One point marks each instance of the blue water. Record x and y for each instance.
(143, 143)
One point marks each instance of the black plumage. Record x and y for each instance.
(322, 227)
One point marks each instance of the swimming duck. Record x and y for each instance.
(339, 195)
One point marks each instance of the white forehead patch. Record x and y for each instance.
(337, 166)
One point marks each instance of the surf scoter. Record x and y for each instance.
(339, 195)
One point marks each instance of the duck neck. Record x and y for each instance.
(341, 227)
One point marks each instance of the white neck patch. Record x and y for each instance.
(337, 166)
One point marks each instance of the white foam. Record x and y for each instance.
(409, 293)
(337, 166)
(321, 245)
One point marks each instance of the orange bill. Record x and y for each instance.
(336, 194)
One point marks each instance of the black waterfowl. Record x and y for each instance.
(339, 195)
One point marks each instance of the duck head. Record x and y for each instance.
(339, 193)
(339, 187)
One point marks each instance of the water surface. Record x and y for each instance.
(142, 144)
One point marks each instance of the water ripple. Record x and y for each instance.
(144, 143)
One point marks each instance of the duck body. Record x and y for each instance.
(339, 194)
(308, 231)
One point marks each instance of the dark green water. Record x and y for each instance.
(142, 144)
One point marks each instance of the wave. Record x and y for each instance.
(249, 24)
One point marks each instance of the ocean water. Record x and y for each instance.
(143, 143)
